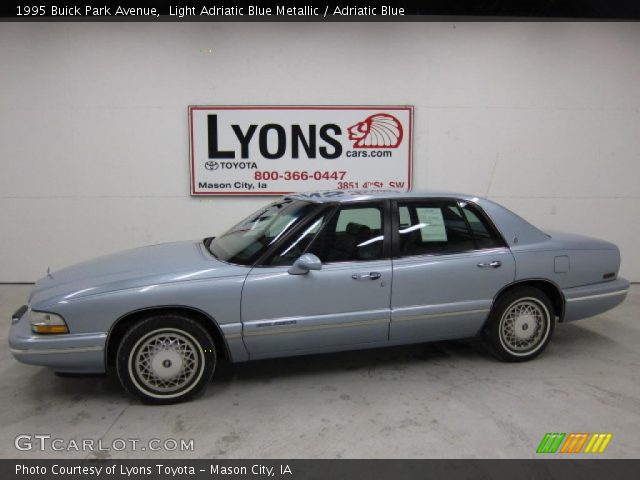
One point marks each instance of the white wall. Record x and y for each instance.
(544, 118)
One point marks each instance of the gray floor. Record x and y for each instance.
(440, 400)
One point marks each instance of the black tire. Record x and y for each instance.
(166, 359)
(506, 332)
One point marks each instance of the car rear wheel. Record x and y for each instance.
(166, 359)
(520, 325)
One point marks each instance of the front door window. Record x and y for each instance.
(353, 234)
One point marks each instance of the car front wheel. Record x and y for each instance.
(166, 359)
(520, 324)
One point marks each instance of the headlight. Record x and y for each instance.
(45, 322)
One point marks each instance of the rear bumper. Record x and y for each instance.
(590, 300)
(68, 353)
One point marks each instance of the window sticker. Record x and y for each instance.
(432, 225)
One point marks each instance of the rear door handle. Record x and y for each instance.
(369, 276)
(494, 264)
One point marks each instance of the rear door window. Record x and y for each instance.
(433, 228)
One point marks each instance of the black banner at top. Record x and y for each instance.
(317, 10)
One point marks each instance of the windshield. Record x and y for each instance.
(248, 240)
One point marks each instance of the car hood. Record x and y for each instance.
(152, 265)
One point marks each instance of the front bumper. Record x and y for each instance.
(590, 300)
(67, 353)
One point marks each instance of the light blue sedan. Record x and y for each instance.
(316, 273)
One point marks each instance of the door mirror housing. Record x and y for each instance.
(304, 263)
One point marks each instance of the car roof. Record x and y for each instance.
(344, 196)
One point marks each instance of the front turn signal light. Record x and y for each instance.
(45, 322)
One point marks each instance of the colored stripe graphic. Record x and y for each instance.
(574, 443)
(550, 442)
(598, 443)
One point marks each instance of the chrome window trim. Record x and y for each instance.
(475, 251)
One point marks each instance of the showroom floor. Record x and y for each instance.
(440, 400)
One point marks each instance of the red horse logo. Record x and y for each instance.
(377, 131)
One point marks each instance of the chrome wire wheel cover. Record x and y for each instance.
(524, 326)
(166, 362)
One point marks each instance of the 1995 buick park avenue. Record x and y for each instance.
(316, 273)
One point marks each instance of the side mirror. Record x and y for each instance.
(304, 263)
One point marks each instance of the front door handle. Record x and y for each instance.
(494, 264)
(369, 276)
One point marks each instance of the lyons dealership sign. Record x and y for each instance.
(270, 150)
